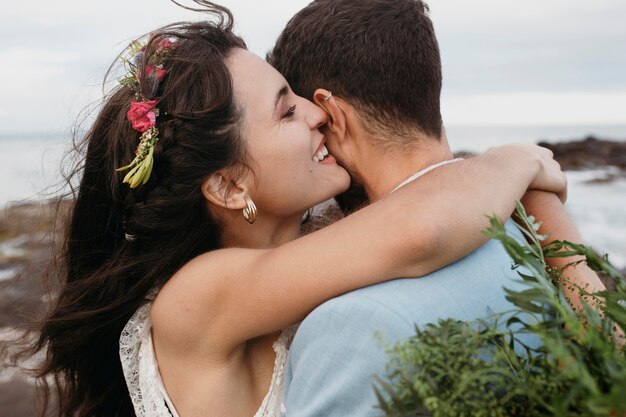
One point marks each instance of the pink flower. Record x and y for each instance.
(165, 43)
(157, 72)
(142, 114)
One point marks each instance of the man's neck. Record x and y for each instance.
(382, 170)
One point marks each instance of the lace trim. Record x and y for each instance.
(272, 403)
(140, 370)
(145, 387)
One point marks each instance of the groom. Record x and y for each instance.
(380, 59)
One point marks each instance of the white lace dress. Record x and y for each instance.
(145, 386)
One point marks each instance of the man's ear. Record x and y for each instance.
(221, 190)
(336, 123)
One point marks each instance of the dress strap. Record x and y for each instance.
(139, 365)
(272, 405)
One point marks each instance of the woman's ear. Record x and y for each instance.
(221, 190)
(336, 123)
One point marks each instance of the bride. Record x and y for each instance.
(184, 236)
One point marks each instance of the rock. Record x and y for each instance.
(589, 153)
(464, 154)
(26, 233)
(17, 398)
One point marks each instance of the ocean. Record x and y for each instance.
(30, 170)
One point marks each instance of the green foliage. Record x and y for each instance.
(482, 369)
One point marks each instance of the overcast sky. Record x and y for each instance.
(541, 62)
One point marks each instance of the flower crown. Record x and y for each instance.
(144, 111)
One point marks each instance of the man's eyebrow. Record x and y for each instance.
(281, 93)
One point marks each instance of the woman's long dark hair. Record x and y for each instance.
(105, 275)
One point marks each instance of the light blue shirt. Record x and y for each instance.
(336, 350)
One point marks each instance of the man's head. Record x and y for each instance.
(380, 56)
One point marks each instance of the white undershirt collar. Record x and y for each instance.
(425, 171)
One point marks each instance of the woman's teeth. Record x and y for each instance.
(321, 154)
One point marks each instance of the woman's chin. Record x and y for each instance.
(343, 183)
(333, 181)
(345, 180)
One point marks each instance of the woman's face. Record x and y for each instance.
(283, 140)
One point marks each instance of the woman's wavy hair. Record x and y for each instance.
(106, 276)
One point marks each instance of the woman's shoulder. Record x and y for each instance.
(188, 304)
(189, 292)
(204, 274)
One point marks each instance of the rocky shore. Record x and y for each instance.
(591, 153)
(27, 231)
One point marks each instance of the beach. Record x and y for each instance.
(26, 233)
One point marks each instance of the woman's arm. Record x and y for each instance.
(238, 294)
(548, 209)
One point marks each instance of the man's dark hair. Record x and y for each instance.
(380, 55)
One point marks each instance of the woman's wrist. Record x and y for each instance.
(532, 165)
(516, 160)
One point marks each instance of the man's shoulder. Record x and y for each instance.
(470, 288)
(355, 324)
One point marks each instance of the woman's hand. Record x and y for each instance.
(548, 175)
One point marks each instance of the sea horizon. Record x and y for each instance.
(551, 128)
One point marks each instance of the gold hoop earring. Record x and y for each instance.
(249, 213)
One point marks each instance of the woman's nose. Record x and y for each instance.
(316, 117)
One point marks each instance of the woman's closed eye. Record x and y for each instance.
(290, 112)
